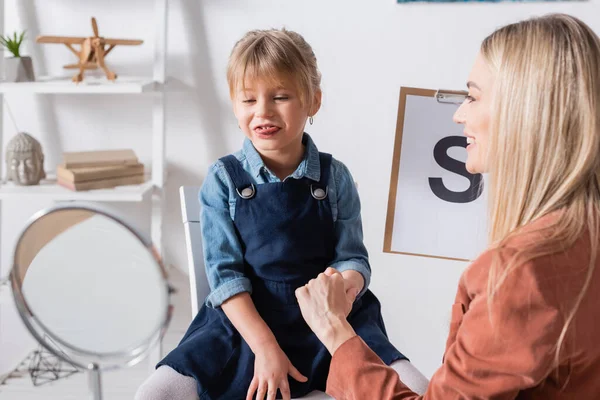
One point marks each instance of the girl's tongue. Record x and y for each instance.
(266, 130)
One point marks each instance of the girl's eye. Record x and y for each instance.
(281, 98)
(248, 101)
(470, 98)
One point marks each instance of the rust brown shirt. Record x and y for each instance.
(506, 350)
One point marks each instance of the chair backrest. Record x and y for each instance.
(190, 213)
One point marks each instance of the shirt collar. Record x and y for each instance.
(310, 166)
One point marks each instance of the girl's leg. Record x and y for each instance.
(167, 384)
(411, 376)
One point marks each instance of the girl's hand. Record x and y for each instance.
(271, 368)
(353, 282)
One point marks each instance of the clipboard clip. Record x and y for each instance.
(451, 96)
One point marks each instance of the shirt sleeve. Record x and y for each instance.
(350, 251)
(356, 372)
(223, 257)
(499, 350)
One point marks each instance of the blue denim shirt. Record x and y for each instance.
(223, 256)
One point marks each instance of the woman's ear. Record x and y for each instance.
(316, 104)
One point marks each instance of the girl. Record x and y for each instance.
(525, 321)
(274, 215)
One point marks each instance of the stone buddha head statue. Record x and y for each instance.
(24, 160)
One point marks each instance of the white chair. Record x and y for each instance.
(190, 211)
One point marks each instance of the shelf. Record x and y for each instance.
(50, 190)
(90, 84)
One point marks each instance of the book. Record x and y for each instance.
(103, 183)
(80, 159)
(101, 172)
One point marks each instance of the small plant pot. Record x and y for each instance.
(18, 69)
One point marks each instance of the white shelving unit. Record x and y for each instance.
(49, 190)
(153, 188)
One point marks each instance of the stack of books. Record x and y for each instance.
(86, 170)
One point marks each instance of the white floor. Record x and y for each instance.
(117, 385)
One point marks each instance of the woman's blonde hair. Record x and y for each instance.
(270, 55)
(544, 143)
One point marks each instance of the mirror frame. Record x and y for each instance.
(102, 361)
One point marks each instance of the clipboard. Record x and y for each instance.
(423, 218)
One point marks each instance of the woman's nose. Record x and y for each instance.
(460, 114)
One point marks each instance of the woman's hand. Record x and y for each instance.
(271, 368)
(325, 304)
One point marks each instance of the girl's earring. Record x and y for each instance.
(310, 120)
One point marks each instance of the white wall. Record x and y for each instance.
(366, 51)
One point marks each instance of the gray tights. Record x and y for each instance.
(167, 384)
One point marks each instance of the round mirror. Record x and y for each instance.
(90, 288)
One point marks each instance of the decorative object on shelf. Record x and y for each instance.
(100, 169)
(99, 158)
(24, 160)
(92, 50)
(17, 68)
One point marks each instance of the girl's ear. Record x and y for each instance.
(316, 105)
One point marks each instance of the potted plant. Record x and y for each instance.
(17, 68)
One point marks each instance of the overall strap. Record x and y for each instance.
(320, 190)
(325, 162)
(241, 180)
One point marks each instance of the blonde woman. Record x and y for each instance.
(525, 323)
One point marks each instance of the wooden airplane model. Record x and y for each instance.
(92, 51)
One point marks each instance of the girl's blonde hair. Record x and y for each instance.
(544, 143)
(270, 55)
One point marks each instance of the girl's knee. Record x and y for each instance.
(411, 376)
(167, 384)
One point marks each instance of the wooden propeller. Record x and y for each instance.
(95, 27)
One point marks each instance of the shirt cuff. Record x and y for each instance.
(350, 353)
(358, 266)
(228, 290)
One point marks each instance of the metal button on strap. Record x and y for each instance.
(246, 193)
(318, 193)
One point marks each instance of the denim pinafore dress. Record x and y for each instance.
(287, 234)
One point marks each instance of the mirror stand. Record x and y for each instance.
(95, 379)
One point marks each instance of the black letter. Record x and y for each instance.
(445, 161)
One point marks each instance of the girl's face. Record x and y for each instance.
(271, 116)
(474, 113)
